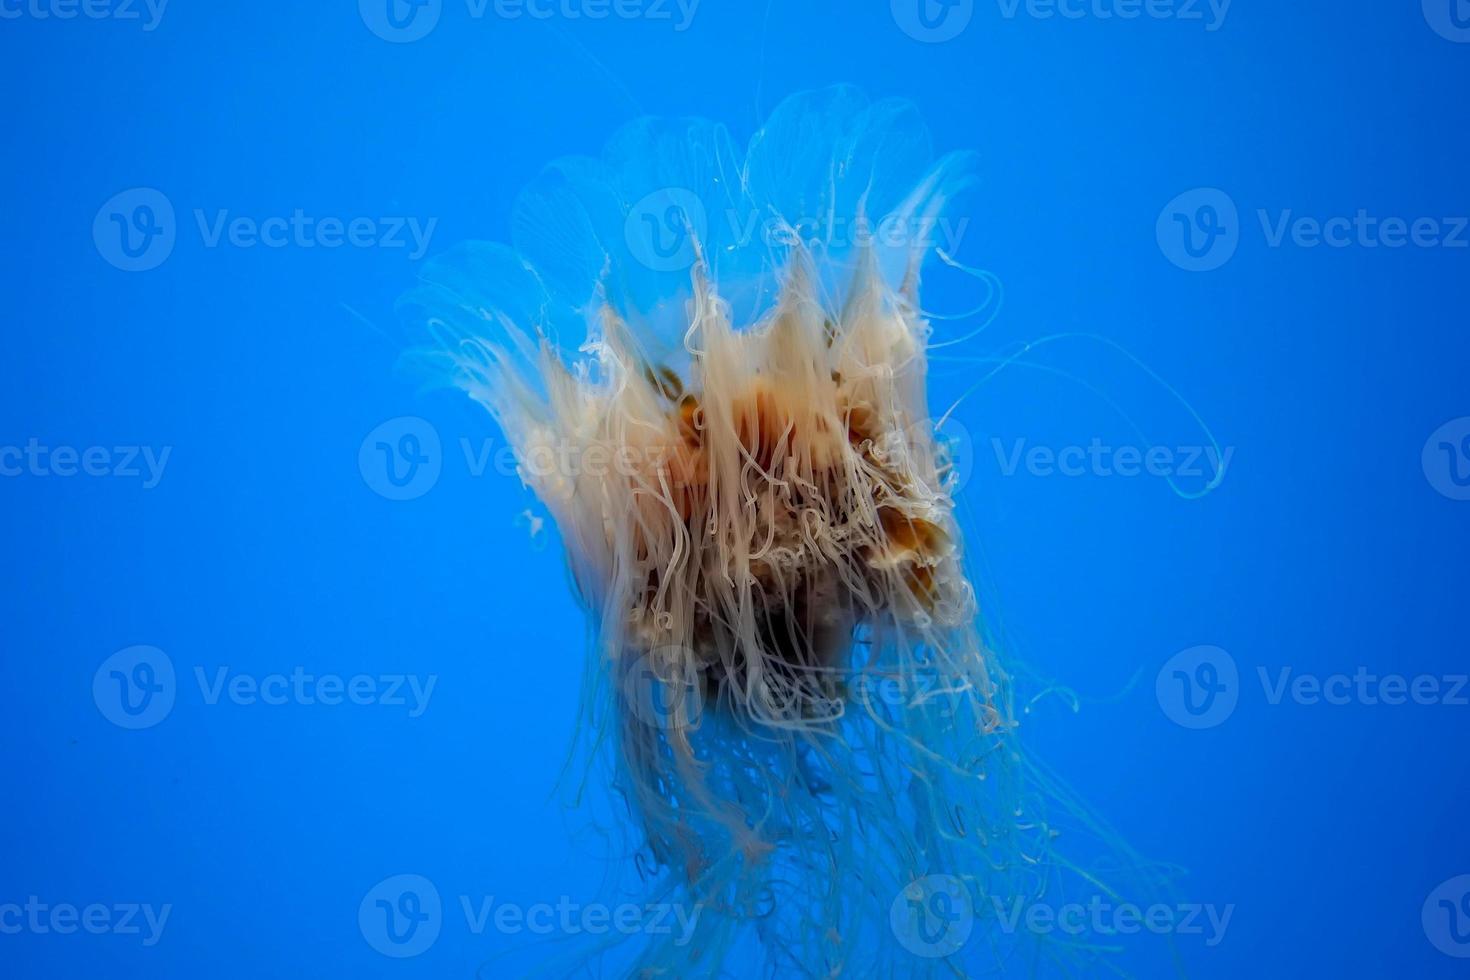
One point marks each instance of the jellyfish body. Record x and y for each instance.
(711, 365)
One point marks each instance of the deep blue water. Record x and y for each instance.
(265, 544)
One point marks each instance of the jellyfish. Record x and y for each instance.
(711, 364)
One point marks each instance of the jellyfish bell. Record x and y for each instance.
(712, 367)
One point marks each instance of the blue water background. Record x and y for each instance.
(263, 548)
